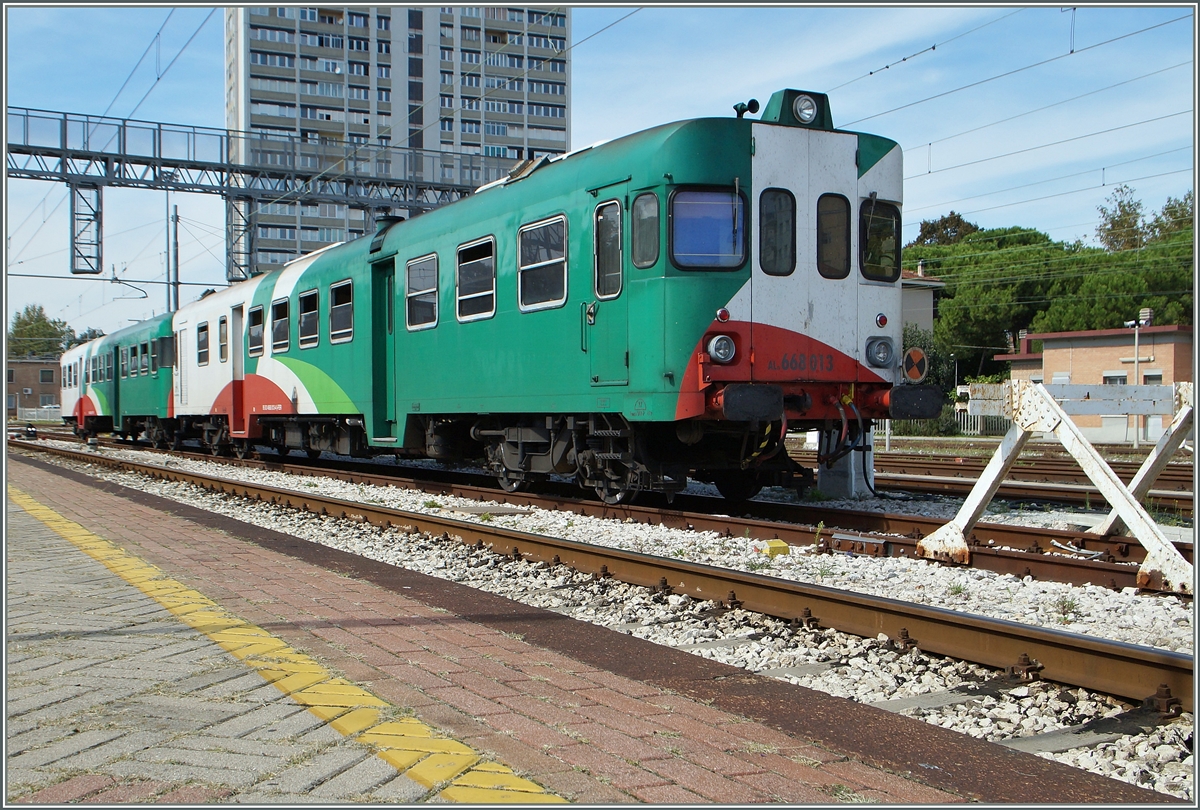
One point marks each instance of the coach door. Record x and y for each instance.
(606, 317)
(383, 349)
(800, 242)
(237, 419)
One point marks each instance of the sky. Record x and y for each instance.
(1010, 115)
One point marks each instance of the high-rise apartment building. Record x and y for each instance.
(315, 85)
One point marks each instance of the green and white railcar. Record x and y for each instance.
(662, 305)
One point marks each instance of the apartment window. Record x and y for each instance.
(358, 44)
(421, 289)
(777, 232)
(1114, 378)
(341, 312)
(385, 71)
(470, 35)
(1152, 379)
(547, 110)
(385, 95)
(201, 347)
(469, 80)
(470, 57)
(276, 110)
(833, 236)
(470, 103)
(385, 46)
(447, 78)
(145, 361)
(608, 250)
(542, 264)
(383, 23)
(470, 127)
(476, 280)
(495, 129)
(309, 14)
(309, 328)
(548, 88)
(416, 18)
(645, 230)
(356, 20)
(447, 54)
(254, 339)
(273, 35)
(46, 376)
(288, 13)
(446, 124)
(272, 59)
(273, 85)
(356, 93)
(359, 68)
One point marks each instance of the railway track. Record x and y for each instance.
(1116, 668)
(1055, 480)
(1073, 557)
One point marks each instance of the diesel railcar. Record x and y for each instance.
(664, 305)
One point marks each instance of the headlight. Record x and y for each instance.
(721, 349)
(879, 352)
(805, 109)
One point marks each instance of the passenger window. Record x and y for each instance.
(280, 326)
(124, 370)
(154, 357)
(309, 319)
(777, 232)
(542, 264)
(708, 229)
(476, 280)
(223, 339)
(202, 344)
(254, 332)
(608, 250)
(133, 361)
(341, 312)
(421, 293)
(833, 236)
(145, 361)
(645, 230)
(879, 237)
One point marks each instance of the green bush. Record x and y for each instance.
(944, 425)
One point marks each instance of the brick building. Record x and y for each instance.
(1106, 356)
(33, 382)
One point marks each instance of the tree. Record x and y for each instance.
(91, 333)
(947, 230)
(1121, 226)
(32, 332)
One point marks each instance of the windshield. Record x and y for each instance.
(708, 229)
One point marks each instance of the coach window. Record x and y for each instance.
(833, 236)
(309, 319)
(202, 344)
(476, 280)
(341, 312)
(421, 288)
(280, 326)
(542, 264)
(124, 370)
(223, 339)
(254, 332)
(708, 229)
(109, 370)
(145, 359)
(133, 360)
(154, 357)
(879, 237)
(608, 249)
(645, 230)
(777, 232)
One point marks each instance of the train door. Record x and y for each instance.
(383, 348)
(181, 378)
(805, 186)
(237, 419)
(606, 317)
(115, 389)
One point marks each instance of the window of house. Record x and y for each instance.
(1114, 378)
(542, 264)
(645, 230)
(476, 280)
(254, 329)
(47, 401)
(11, 375)
(309, 319)
(833, 236)
(421, 288)
(280, 326)
(608, 249)
(341, 312)
(777, 232)
(879, 232)
(1152, 379)
(708, 229)
(46, 376)
(202, 344)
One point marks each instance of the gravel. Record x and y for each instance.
(866, 670)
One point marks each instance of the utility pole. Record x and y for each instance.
(175, 283)
(167, 251)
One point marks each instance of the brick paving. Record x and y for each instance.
(590, 735)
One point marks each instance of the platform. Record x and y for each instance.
(160, 654)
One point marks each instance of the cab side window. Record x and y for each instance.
(608, 249)
(833, 236)
(645, 230)
(777, 232)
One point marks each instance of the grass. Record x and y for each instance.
(957, 589)
(1067, 608)
(432, 505)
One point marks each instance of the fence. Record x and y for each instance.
(39, 414)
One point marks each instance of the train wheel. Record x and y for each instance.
(241, 448)
(737, 486)
(313, 454)
(617, 491)
(177, 441)
(509, 483)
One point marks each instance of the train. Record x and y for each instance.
(662, 306)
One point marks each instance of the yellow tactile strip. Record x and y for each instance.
(406, 744)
